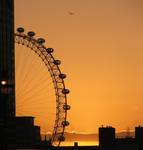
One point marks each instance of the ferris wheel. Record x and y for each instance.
(58, 90)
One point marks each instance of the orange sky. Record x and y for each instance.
(101, 50)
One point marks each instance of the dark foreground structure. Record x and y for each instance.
(14, 131)
(7, 62)
(19, 132)
(108, 141)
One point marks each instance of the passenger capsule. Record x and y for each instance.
(57, 62)
(65, 123)
(40, 40)
(66, 107)
(20, 30)
(31, 33)
(50, 50)
(61, 138)
(62, 76)
(65, 91)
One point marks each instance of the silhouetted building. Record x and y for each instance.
(26, 133)
(106, 136)
(21, 133)
(139, 136)
(108, 141)
(14, 131)
(7, 77)
(127, 143)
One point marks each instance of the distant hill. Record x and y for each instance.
(91, 137)
(81, 137)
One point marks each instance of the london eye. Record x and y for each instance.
(40, 92)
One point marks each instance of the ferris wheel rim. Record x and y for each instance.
(52, 64)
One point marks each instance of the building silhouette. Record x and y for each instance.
(139, 136)
(7, 71)
(106, 136)
(15, 132)
(109, 141)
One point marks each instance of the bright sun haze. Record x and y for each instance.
(101, 50)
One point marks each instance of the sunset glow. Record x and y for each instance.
(101, 49)
(80, 143)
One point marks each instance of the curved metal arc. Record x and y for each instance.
(48, 63)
